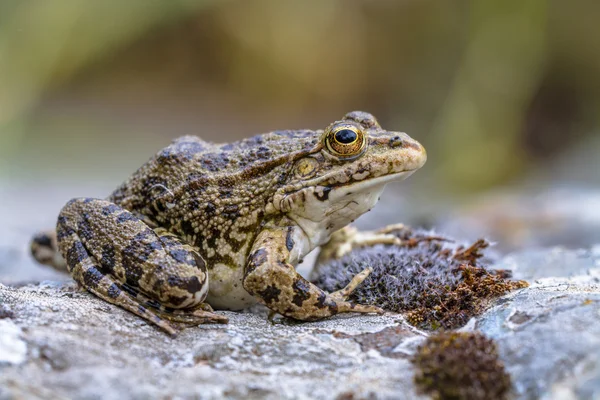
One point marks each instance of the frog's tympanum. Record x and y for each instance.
(224, 225)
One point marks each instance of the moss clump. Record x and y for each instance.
(455, 365)
(434, 282)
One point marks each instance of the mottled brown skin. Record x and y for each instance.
(238, 215)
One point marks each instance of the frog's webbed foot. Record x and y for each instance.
(116, 256)
(349, 238)
(344, 293)
(341, 296)
(196, 317)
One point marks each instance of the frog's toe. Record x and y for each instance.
(343, 294)
(196, 317)
(344, 307)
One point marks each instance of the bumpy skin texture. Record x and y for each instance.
(226, 223)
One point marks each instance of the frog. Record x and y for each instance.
(207, 226)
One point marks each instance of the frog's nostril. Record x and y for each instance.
(396, 141)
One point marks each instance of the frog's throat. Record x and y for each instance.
(320, 216)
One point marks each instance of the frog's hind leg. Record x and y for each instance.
(116, 256)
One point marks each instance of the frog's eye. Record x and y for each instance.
(345, 141)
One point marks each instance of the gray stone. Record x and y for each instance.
(79, 346)
(59, 342)
(76, 345)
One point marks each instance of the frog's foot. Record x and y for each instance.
(341, 296)
(117, 257)
(349, 238)
(44, 248)
(195, 317)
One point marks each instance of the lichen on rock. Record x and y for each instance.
(453, 365)
(436, 283)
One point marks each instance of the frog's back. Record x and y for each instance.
(189, 163)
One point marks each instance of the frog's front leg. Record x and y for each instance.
(271, 277)
(117, 257)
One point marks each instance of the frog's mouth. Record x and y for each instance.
(356, 183)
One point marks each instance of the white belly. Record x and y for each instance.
(225, 290)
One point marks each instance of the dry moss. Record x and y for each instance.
(455, 365)
(434, 282)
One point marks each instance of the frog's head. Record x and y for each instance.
(343, 176)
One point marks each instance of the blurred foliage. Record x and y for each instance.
(492, 89)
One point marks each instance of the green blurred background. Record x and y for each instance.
(495, 90)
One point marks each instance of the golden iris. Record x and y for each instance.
(345, 141)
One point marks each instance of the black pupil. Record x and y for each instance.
(345, 136)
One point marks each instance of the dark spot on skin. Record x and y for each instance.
(225, 191)
(84, 228)
(263, 153)
(153, 304)
(236, 245)
(63, 231)
(110, 209)
(190, 284)
(138, 252)
(141, 309)
(231, 212)
(282, 178)
(179, 255)
(168, 241)
(213, 162)
(92, 277)
(324, 302)
(301, 292)
(108, 257)
(200, 263)
(114, 291)
(333, 308)
(76, 254)
(160, 206)
(197, 182)
(43, 240)
(363, 170)
(289, 241)
(126, 216)
(187, 228)
(323, 195)
(176, 300)
(210, 209)
(256, 259)
(396, 141)
(130, 290)
(321, 300)
(270, 294)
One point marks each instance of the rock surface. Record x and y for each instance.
(59, 342)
